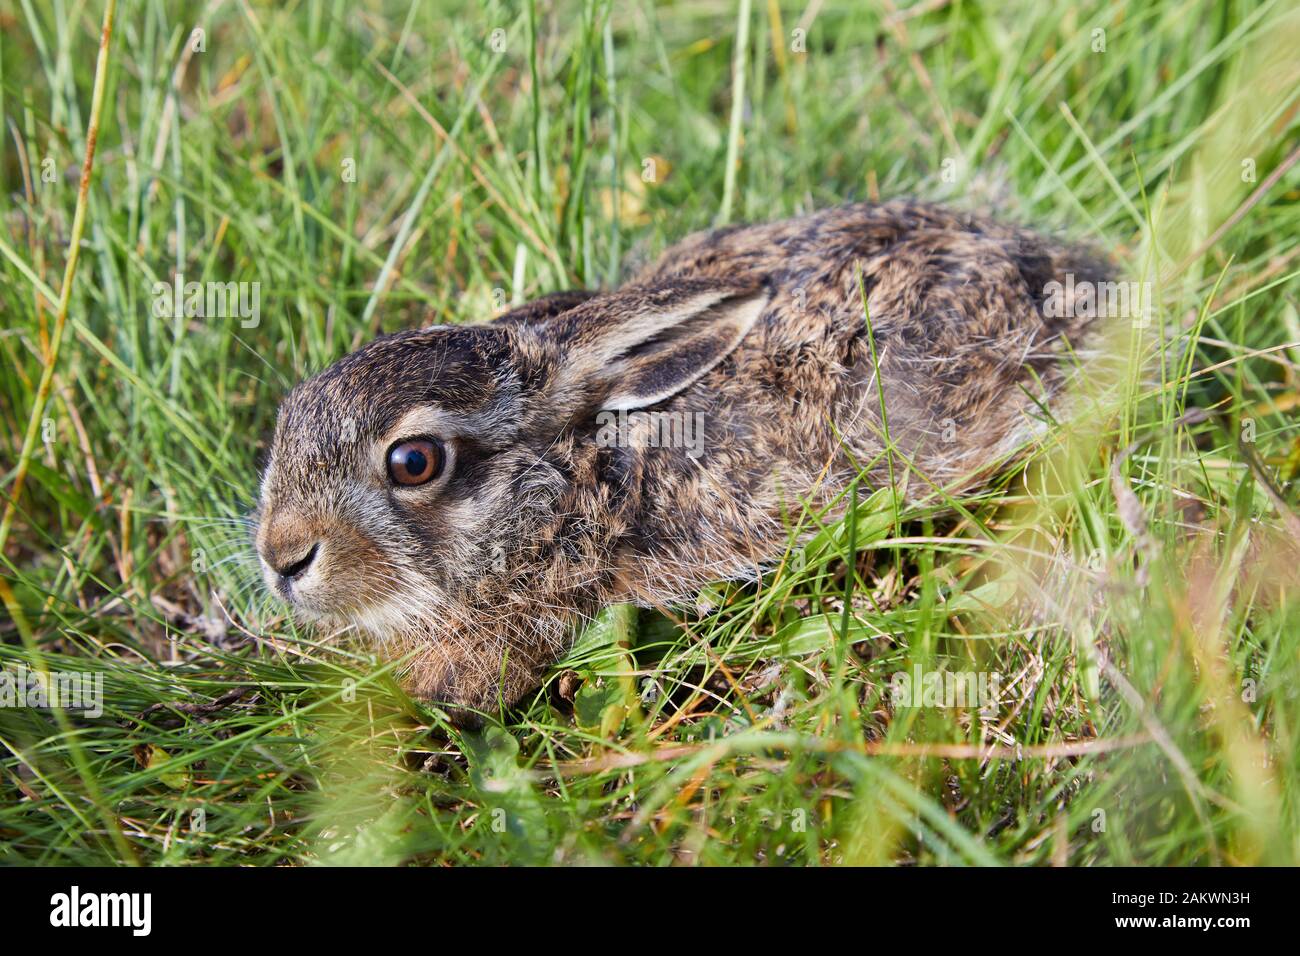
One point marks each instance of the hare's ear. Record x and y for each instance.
(544, 308)
(641, 345)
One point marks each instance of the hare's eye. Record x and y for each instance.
(415, 461)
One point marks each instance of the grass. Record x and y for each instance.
(1133, 585)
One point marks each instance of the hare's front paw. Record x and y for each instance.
(471, 684)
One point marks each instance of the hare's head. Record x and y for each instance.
(402, 476)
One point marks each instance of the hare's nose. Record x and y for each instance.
(290, 568)
(288, 544)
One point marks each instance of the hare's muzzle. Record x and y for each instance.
(289, 550)
(293, 568)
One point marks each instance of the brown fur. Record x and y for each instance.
(486, 573)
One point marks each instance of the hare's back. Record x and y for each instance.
(955, 326)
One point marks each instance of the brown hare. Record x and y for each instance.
(473, 493)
